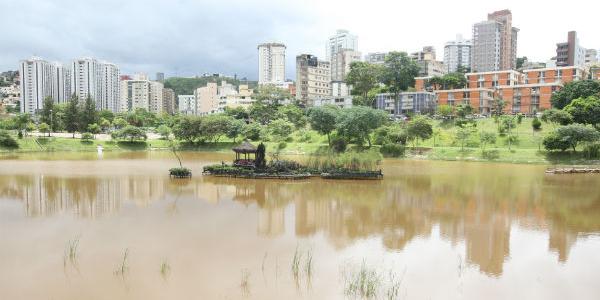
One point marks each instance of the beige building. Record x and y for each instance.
(313, 79)
(207, 99)
(143, 94)
(340, 63)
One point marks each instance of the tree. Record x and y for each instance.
(554, 142)
(521, 61)
(237, 112)
(363, 77)
(213, 127)
(281, 129)
(252, 131)
(93, 129)
(187, 128)
(71, 115)
(106, 114)
(104, 124)
(271, 94)
(574, 90)
(322, 119)
(463, 134)
(88, 114)
(132, 133)
(44, 128)
(260, 160)
(7, 141)
(294, 115)
(576, 133)
(486, 138)
(399, 72)
(21, 121)
(86, 137)
(120, 123)
(585, 111)
(464, 110)
(448, 81)
(48, 114)
(236, 128)
(497, 107)
(419, 128)
(557, 116)
(536, 125)
(164, 131)
(445, 111)
(356, 124)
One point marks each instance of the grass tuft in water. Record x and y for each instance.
(123, 267)
(165, 269)
(296, 264)
(245, 283)
(362, 283)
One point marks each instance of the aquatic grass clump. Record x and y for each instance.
(165, 269)
(245, 283)
(123, 267)
(296, 264)
(363, 283)
(352, 161)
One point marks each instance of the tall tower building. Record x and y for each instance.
(271, 63)
(39, 79)
(494, 43)
(342, 39)
(109, 98)
(457, 54)
(97, 80)
(313, 79)
(570, 53)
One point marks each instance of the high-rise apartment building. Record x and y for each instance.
(428, 66)
(169, 104)
(313, 79)
(207, 99)
(340, 64)
(142, 94)
(40, 79)
(494, 43)
(160, 76)
(271, 63)
(457, 54)
(97, 80)
(570, 53)
(591, 57)
(342, 39)
(186, 104)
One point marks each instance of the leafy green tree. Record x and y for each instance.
(521, 61)
(21, 120)
(464, 110)
(575, 134)
(237, 112)
(44, 128)
(419, 128)
(445, 111)
(164, 131)
(585, 111)
(555, 142)
(356, 124)
(48, 114)
(448, 81)
(252, 131)
(263, 111)
(7, 141)
(120, 123)
(71, 116)
(93, 129)
(463, 134)
(281, 129)
(188, 128)
(363, 77)
(486, 138)
(272, 94)
(88, 114)
(497, 107)
(213, 127)
(557, 117)
(399, 72)
(106, 114)
(536, 125)
(574, 90)
(104, 124)
(236, 128)
(132, 133)
(87, 136)
(323, 120)
(294, 115)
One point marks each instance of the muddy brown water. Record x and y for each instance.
(441, 230)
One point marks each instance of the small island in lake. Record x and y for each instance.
(250, 162)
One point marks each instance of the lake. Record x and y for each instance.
(79, 226)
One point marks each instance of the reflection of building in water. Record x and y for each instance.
(487, 242)
(561, 242)
(271, 221)
(83, 196)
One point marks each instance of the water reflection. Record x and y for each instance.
(474, 204)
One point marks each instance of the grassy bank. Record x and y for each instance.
(443, 146)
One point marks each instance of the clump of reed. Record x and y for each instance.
(353, 161)
(302, 267)
(245, 283)
(123, 267)
(165, 269)
(367, 283)
(71, 252)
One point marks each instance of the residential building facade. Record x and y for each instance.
(494, 43)
(96, 80)
(420, 102)
(207, 99)
(340, 63)
(570, 53)
(141, 94)
(39, 79)
(186, 104)
(457, 54)
(342, 39)
(428, 65)
(271, 63)
(313, 79)
(376, 58)
(169, 103)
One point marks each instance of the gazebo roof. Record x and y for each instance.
(245, 147)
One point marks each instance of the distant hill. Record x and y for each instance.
(186, 85)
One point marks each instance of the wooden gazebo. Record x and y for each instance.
(246, 149)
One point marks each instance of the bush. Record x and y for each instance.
(226, 170)
(392, 150)
(7, 141)
(490, 154)
(536, 124)
(86, 137)
(180, 172)
(513, 139)
(463, 122)
(281, 145)
(554, 142)
(284, 166)
(592, 151)
(338, 144)
(304, 136)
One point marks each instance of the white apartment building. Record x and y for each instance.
(97, 80)
(313, 79)
(457, 54)
(40, 79)
(271, 63)
(342, 39)
(186, 104)
(207, 99)
(142, 94)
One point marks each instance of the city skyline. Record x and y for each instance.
(207, 45)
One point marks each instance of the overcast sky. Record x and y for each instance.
(189, 37)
